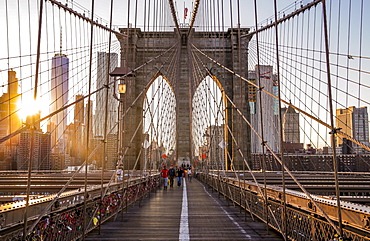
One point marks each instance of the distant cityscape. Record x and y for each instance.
(352, 121)
(63, 144)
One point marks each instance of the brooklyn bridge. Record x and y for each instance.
(184, 120)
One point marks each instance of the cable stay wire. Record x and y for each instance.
(339, 132)
(284, 18)
(95, 149)
(82, 16)
(83, 98)
(56, 196)
(286, 169)
(276, 157)
(240, 152)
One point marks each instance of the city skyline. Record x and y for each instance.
(61, 37)
(64, 45)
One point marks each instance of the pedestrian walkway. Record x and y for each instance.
(189, 212)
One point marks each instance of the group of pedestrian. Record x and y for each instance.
(169, 175)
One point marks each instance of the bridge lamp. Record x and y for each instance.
(122, 88)
(119, 72)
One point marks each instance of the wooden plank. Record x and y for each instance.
(158, 218)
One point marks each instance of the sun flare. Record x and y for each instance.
(29, 107)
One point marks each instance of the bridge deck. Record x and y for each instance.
(161, 216)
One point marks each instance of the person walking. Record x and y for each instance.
(165, 176)
(190, 174)
(179, 174)
(171, 175)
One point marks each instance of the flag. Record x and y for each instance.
(185, 13)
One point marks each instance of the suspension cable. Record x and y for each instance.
(279, 160)
(339, 132)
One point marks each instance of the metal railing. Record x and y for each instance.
(303, 221)
(65, 219)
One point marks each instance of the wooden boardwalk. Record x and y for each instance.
(189, 212)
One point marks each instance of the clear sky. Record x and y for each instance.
(18, 23)
(265, 9)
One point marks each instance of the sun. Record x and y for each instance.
(29, 107)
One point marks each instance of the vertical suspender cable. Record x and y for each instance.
(333, 132)
(8, 62)
(239, 70)
(160, 115)
(240, 95)
(84, 228)
(124, 99)
(232, 147)
(123, 106)
(12, 150)
(106, 111)
(261, 117)
(32, 129)
(135, 22)
(7, 32)
(347, 64)
(360, 50)
(280, 122)
(240, 79)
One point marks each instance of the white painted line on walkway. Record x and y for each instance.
(184, 222)
(231, 218)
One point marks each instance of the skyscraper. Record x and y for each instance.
(355, 123)
(291, 131)
(45, 150)
(59, 98)
(102, 65)
(79, 110)
(112, 155)
(10, 121)
(269, 115)
(90, 118)
(41, 150)
(76, 134)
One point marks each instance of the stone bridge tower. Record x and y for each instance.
(225, 47)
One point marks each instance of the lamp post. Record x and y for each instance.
(122, 91)
(122, 88)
